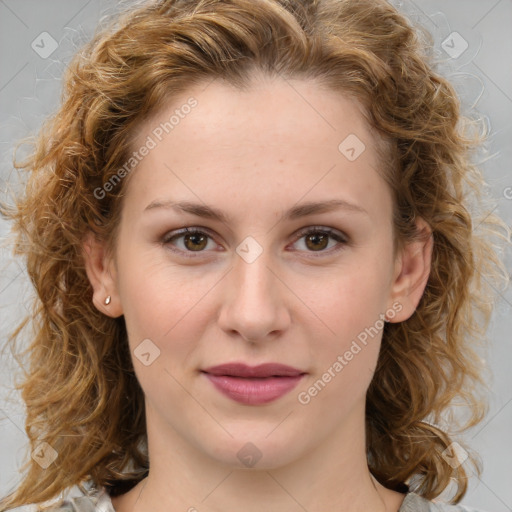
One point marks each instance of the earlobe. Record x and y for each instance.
(100, 271)
(412, 272)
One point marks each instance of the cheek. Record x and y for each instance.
(344, 360)
(164, 319)
(163, 303)
(353, 300)
(351, 305)
(143, 293)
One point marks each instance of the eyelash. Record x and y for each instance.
(336, 235)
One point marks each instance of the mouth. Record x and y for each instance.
(253, 385)
(261, 371)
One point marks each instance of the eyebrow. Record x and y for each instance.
(296, 212)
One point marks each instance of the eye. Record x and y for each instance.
(316, 239)
(194, 240)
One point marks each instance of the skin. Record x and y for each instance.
(255, 154)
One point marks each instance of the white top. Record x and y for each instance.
(98, 500)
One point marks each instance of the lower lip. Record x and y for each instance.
(253, 391)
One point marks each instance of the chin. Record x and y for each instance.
(256, 451)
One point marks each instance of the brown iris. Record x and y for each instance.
(198, 240)
(317, 238)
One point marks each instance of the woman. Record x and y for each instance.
(259, 286)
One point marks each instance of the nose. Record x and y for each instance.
(254, 302)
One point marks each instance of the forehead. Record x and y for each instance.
(278, 138)
(269, 106)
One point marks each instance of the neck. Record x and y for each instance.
(332, 476)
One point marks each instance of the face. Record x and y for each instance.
(260, 277)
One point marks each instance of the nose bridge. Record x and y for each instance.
(255, 308)
(253, 279)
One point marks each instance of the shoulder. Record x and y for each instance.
(86, 498)
(415, 503)
(93, 499)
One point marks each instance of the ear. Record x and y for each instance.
(100, 269)
(412, 269)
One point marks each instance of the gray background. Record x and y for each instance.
(30, 90)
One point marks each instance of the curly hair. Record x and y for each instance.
(80, 371)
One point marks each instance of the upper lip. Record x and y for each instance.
(262, 370)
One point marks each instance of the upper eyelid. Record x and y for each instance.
(316, 227)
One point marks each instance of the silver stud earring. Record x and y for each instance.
(107, 300)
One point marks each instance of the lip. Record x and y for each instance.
(253, 385)
(262, 370)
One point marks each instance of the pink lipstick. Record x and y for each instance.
(253, 385)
